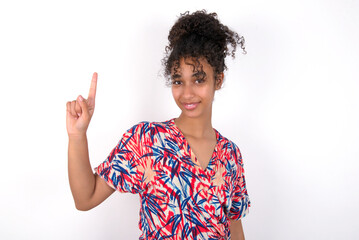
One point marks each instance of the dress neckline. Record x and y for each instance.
(191, 153)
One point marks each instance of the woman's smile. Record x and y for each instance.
(190, 106)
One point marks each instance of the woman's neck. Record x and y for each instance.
(195, 127)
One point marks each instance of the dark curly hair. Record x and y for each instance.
(198, 35)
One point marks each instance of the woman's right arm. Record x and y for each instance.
(88, 189)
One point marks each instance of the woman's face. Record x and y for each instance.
(193, 88)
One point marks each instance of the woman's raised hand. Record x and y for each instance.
(79, 112)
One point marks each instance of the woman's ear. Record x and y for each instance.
(219, 81)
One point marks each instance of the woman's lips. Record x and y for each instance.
(190, 106)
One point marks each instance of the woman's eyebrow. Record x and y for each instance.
(199, 74)
(176, 76)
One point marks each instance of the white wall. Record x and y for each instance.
(291, 104)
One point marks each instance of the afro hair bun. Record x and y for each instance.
(201, 34)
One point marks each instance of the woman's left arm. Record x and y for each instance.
(236, 230)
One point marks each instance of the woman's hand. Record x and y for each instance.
(79, 112)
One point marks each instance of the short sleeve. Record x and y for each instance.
(122, 168)
(240, 199)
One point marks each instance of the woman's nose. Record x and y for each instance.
(188, 90)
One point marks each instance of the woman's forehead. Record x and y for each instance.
(191, 64)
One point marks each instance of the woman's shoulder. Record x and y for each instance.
(150, 127)
(225, 141)
(229, 146)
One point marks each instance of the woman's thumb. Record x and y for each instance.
(83, 105)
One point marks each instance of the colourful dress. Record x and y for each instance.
(179, 200)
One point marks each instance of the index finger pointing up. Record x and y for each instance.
(92, 93)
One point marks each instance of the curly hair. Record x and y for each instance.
(200, 35)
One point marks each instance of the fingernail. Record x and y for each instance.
(81, 99)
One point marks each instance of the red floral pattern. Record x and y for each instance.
(179, 199)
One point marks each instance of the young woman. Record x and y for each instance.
(189, 177)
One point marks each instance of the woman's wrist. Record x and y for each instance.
(77, 136)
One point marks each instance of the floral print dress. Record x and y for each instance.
(179, 199)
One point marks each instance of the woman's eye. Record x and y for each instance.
(199, 80)
(176, 82)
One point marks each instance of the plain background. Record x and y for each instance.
(290, 104)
